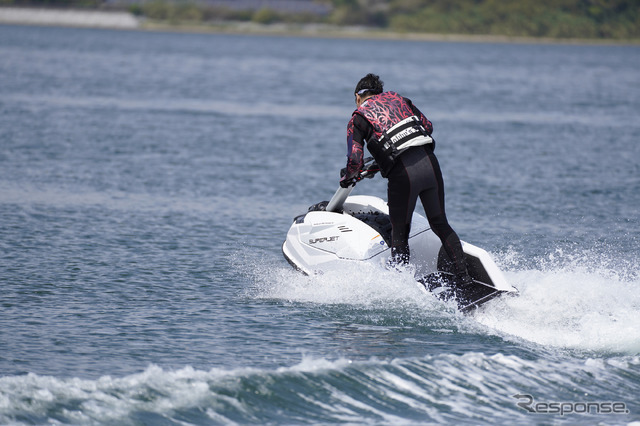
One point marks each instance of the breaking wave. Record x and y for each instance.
(436, 389)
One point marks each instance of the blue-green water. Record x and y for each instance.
(147, 181)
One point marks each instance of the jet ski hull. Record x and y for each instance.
(360, 231)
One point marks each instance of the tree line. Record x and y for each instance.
(607, 19)
(618, 19)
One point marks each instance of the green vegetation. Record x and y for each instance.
(591, 19)
(180, 12)
(616, 19)
(189, 12)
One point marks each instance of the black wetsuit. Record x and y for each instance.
(416, 174)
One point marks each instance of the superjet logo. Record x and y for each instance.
(324, 239)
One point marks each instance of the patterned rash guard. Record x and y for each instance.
(376, 115)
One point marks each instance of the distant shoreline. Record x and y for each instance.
(326, 31)
(124, 20)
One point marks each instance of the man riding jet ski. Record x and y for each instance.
(398, 136)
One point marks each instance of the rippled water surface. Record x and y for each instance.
(147, 181)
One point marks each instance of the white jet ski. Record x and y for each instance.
(357, 229)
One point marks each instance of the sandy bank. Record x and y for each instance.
(71, 18)
(331, 31)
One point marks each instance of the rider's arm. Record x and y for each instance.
(358, 131)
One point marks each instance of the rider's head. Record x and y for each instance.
(368, 85)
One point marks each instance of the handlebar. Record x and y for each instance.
(369, 170)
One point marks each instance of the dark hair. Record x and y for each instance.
(370, 83)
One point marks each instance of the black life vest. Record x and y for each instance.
(396, 128)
